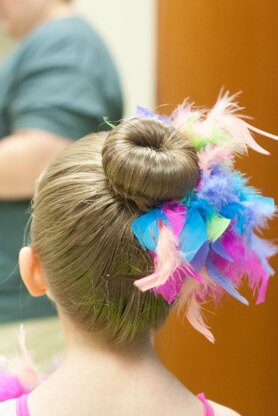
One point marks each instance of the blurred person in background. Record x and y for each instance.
(55, 87)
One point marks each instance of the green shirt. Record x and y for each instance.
(59, 79)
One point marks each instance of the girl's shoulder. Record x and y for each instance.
(8, 408)
(220, 410)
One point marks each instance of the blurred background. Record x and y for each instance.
(167, 50)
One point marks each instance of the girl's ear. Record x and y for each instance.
(31, 272)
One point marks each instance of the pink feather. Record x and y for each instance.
(166, 261)
(224, 116)
(183, 113)
(23, 365)
(262, 132)
(212, 154)
(192, 296)
(19, 376)
(171, 289)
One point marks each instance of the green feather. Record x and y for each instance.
(106, 120)
(216, 226)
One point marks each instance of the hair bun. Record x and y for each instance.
(149, 162)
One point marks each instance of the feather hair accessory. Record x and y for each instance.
(18, 376)
(207, 244)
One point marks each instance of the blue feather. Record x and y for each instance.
(146, 230)
(202, 206)
(193, 235)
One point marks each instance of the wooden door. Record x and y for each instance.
(203, 45)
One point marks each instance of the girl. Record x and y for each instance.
(126, 224)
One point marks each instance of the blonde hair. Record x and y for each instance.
(82, 211)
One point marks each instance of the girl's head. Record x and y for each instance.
(82, 244)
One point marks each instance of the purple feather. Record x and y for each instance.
(144, 113)
(223, 281)
(200, 257)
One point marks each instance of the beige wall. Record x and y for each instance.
(129, 29)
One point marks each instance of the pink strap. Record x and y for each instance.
(208, 409)
(21, 406)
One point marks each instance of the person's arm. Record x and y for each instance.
(23, 156)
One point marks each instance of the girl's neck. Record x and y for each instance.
(106, 358)
(94, 375)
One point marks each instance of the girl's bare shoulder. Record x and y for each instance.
(222, 410)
